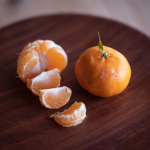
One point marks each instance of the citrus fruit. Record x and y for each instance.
(45, 80)
(40, 56)
(72, 116)
(55, 98)
(103, 71)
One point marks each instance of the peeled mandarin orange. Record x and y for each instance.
(40, 56)
(56, 97)
(103, 71)
(45, 80)
(72, 116)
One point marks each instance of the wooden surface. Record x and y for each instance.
(134, 13)
(117, 123)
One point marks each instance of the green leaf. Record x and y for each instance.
(100, 44)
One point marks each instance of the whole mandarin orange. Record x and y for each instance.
(103, 71)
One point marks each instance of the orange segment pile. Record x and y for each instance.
(56, 97)
(35, 58)
(39, 65)
(72, 116)
(46, 80)
(40, 56)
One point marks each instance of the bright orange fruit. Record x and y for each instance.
(72, 116)
(40, 56)
(103, 71)
(45, 80)
(56, 97)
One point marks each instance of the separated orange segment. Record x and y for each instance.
(56, 97)
(72, 116)
(46, 80)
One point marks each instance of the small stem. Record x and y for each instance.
(100, 44)
(105, 55)
(52, 116)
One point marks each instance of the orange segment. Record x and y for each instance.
(72, 116)
(55, 54)
(28, 65)
(46, 80)
(33, 45)
(26, 52)
(56, 97)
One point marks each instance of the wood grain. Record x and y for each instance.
(117, 123)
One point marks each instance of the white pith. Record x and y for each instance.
(51, 44)
(36, 67)
(34, 53)
(76, 112)
(74, 124)
(43, 60)
(41, 77)
(26, 63)
(54, 91)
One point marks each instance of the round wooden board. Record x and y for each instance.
(117, 123)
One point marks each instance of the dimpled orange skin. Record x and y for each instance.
(101, 76)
